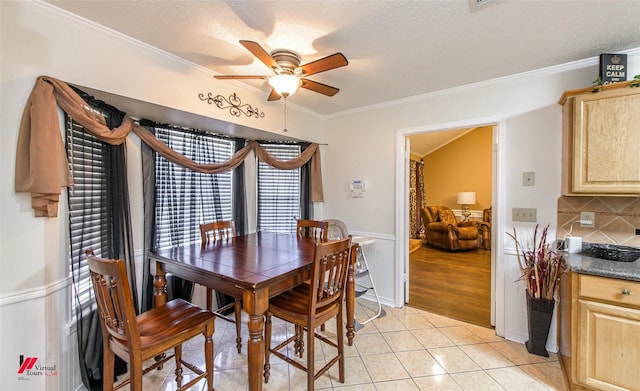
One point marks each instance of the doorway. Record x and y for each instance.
(402, 210)
(444, 167)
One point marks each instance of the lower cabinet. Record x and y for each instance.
(600, 332)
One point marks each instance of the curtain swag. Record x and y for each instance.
(41, 162)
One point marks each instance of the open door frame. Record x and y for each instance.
(402, 210)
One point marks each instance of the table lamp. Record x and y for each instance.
(466, 198)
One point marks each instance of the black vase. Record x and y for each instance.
(539, 313)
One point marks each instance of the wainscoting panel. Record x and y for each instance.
(381, 260)
(34, 324)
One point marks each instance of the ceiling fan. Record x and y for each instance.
(289, 74)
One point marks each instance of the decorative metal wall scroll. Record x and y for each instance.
(233, 103)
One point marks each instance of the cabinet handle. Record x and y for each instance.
(626, 291)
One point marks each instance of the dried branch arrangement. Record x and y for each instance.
(540, 266)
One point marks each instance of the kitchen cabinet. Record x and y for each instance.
(601, 141)
(599, 332)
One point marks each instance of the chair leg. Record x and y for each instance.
(178, 371)
(209, 299)
(135, 373)
(310, 358)
(208, 355)
(267, 347)
(340, 340)
(237, 309)
(108, 359)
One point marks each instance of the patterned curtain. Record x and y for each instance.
(416, 198)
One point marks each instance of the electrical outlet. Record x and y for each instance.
(588, 219)
(527, 215)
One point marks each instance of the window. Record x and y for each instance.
(186, 199)
(87, 207)
(278, 191)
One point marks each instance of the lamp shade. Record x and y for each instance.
(467, 197)
(285, 85)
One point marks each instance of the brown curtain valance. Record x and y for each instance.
(41, 161)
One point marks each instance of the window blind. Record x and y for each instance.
(278, 191)
(186, 199)
(87, 212)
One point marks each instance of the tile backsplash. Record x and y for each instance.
(616, 219)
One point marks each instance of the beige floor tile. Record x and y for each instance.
(436, 383)
(357, 387)
(371, 344)
(397, 385)
(419, 363)
(515, 379)
(278, 378)
(517, 353)
(389, 323)
(548, 373)
(230, 380)
(383, 367)
(355, 372)
(432, 338)
(442, 321)
(415, 321)
(476, 381)
(460, 335)
(453, 360)
(484, 333)
(400, 341)
(485, 356)
(298, 377)
(227, 357)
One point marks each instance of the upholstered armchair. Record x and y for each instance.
(484, 229)
(444, 232)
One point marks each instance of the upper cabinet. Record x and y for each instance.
(601, 141)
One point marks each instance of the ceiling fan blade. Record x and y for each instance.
(319, 87)
(324, 64)
(262, 54)
(273, 96)
(224, 77)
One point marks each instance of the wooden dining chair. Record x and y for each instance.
(148, 335)
(216, 232)
(313, 228)
(308, 306)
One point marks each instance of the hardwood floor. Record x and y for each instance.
(452, 284)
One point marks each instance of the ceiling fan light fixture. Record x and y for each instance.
(285, 85)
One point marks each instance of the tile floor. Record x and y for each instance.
(408, 349)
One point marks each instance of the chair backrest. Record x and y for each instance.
(336, 230)
(329, 276)
(217, 231)
(115, 304)
(313, 229)
(486, 215)
(441, 213)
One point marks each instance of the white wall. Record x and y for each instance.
(38, 39)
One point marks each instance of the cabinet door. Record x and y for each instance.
(609, 346)
(606, 143)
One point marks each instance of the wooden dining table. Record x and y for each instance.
(256, 267)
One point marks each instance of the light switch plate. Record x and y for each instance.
(528, 215)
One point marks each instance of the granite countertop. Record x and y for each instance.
(588, 264)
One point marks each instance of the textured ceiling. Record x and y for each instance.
(396, 49)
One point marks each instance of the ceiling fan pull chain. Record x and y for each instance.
(285, 114)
